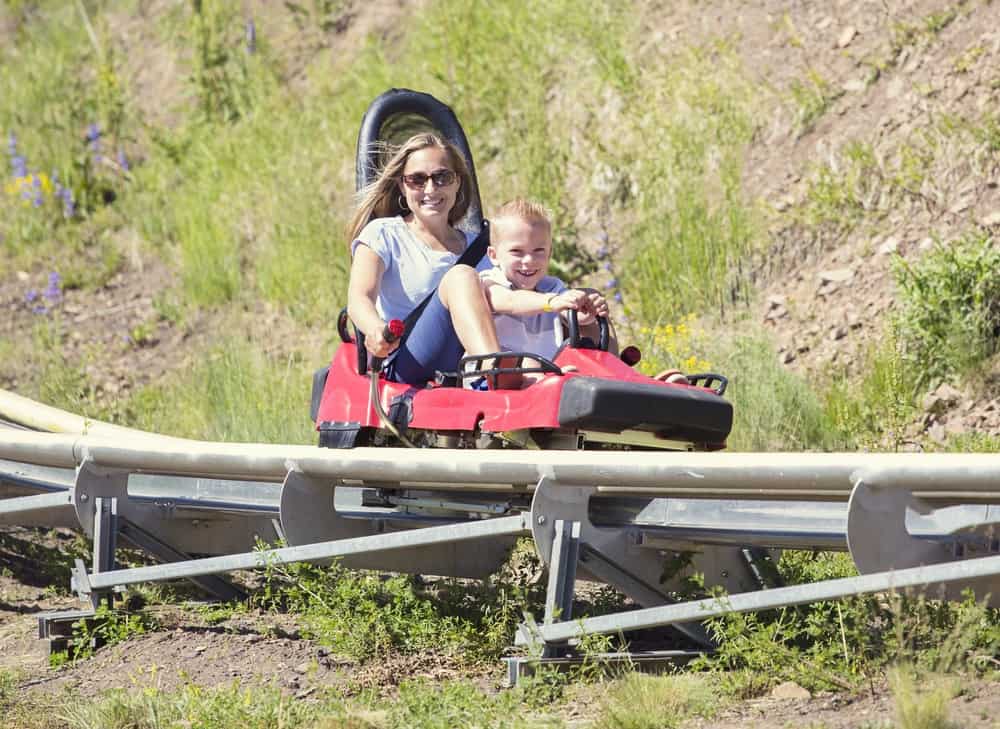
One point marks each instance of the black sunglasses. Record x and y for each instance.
(418, 180)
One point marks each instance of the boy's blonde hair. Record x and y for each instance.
(521, 209)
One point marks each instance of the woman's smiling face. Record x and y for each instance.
(429, 202)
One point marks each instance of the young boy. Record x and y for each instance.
(527, 303)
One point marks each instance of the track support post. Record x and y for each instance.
(562, 571)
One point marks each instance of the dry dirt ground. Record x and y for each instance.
(823, 297)
(253, 648)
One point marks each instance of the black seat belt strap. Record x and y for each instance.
(471, 256)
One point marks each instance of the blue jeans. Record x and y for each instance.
(430, 346)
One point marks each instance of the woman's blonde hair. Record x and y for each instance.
(381, 198)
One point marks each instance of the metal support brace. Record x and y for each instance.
(213, 584)
(959, 573)
(483, 529)
(884, 520)
(105, 542)
(562, 571)
(105, 533)
(620, 578)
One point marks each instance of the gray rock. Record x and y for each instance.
(789, 690)
(889, 246)
(846, 36)
(942, 399)
(837, 275)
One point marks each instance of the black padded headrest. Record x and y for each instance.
(397, 115)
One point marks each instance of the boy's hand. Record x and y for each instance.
(570, 299)
(592, 306)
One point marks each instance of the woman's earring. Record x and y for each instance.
(402, 203)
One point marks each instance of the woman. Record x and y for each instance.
(404, 244)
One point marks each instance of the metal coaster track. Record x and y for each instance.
(612, 516)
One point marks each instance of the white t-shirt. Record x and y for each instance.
(536, 333)
(412, 270)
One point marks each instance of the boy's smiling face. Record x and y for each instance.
(521, 248)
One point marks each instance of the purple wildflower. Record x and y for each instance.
(12, 144)
(36, 306)
(602, 252)
(69, 207)
(94, 141)
(39, 196)
(19, 165)
(122, 160)
(53, 293)
(618, 296)
(251, 36)
(611, 284)
(608, 265)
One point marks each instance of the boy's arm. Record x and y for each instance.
(521, 302)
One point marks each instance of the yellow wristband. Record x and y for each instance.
(547, 307)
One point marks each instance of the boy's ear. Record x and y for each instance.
(491, 253)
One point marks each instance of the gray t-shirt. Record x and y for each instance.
(412, 270)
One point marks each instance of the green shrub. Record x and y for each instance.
(108, 627)
(692, 223)
(949, 315)
(65, 134)
(838, 644)
(366, 614)
(871, 410)
(773, 409)
(812, 97)
(422, 705)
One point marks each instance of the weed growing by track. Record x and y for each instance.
(843, 644)
(108, 627)
(368, 615)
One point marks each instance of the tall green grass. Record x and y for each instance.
(774, 408)
(236, 393)
(691, 120)
(257, 204)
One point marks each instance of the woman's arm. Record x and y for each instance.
(362, 290)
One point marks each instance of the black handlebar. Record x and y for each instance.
(603, 331)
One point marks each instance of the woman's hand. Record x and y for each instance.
(377, 344)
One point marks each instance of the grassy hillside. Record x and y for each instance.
(215, 178)
(804, 198)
